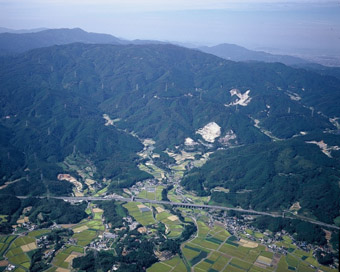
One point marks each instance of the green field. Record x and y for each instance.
(159, 267)
(152, 170)
(23, 241)
(95, 225)
(38, 233)
(59, 260)
(16, 255)
(174, 227)
(174, 264)
(147, 195)
(159, 190)
(5, 242)
(144, 218)
(85, 237)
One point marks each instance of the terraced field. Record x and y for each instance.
(172, 223)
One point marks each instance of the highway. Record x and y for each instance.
(188, 205)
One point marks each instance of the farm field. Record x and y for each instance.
(145, 218)
(152, 170)
(175, 264)
(173, 197)
(214, 249)
(159, 190)
(38, 233)
(85, 237)
(5, 241)
(172, 223)
(64, 258)
(147, 195)
(16, 253)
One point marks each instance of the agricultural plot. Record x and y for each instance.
(196, 199)
(282, 265)
(172, 223)
(194, 254)
(147, 195)
(240, 264)
(159, 190)
(85, 237)
(216, 261)
(38, 233)
(5, 241)
(59, 260)
(97, 213)
(63, 259)
(159, 267)
(102, 191)
(95, 225)
(214, 249)
(16, 253)
(173, 197)
(175, 264)
(152, 170)
(210, 238)
(145, 218)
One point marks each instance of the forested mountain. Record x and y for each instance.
(11, 43)
(18, 42)
(238, 53)
(21, 31)
(284, 121)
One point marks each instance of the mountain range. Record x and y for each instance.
(272, 129)
(18, 41)
(239, 53)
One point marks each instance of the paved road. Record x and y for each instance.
(188, 205)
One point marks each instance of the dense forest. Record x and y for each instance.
(43, 212)
(53, 101)
(272, 177)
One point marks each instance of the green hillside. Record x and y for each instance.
(53, 101)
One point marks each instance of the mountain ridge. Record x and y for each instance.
(238, 53)
(58, 95)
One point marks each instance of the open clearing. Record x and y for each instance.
(210, 132)
(243, 99)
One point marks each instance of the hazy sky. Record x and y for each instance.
(298, 24)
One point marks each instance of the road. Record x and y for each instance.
(188, 205)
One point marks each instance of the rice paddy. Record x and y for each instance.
(172, 223)
(214, 249)
(175, 264)
(16, 253)
(145, 218)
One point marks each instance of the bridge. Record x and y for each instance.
(190, 206)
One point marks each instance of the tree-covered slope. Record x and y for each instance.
(13, 43)
(272, 177)
(53, 100)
